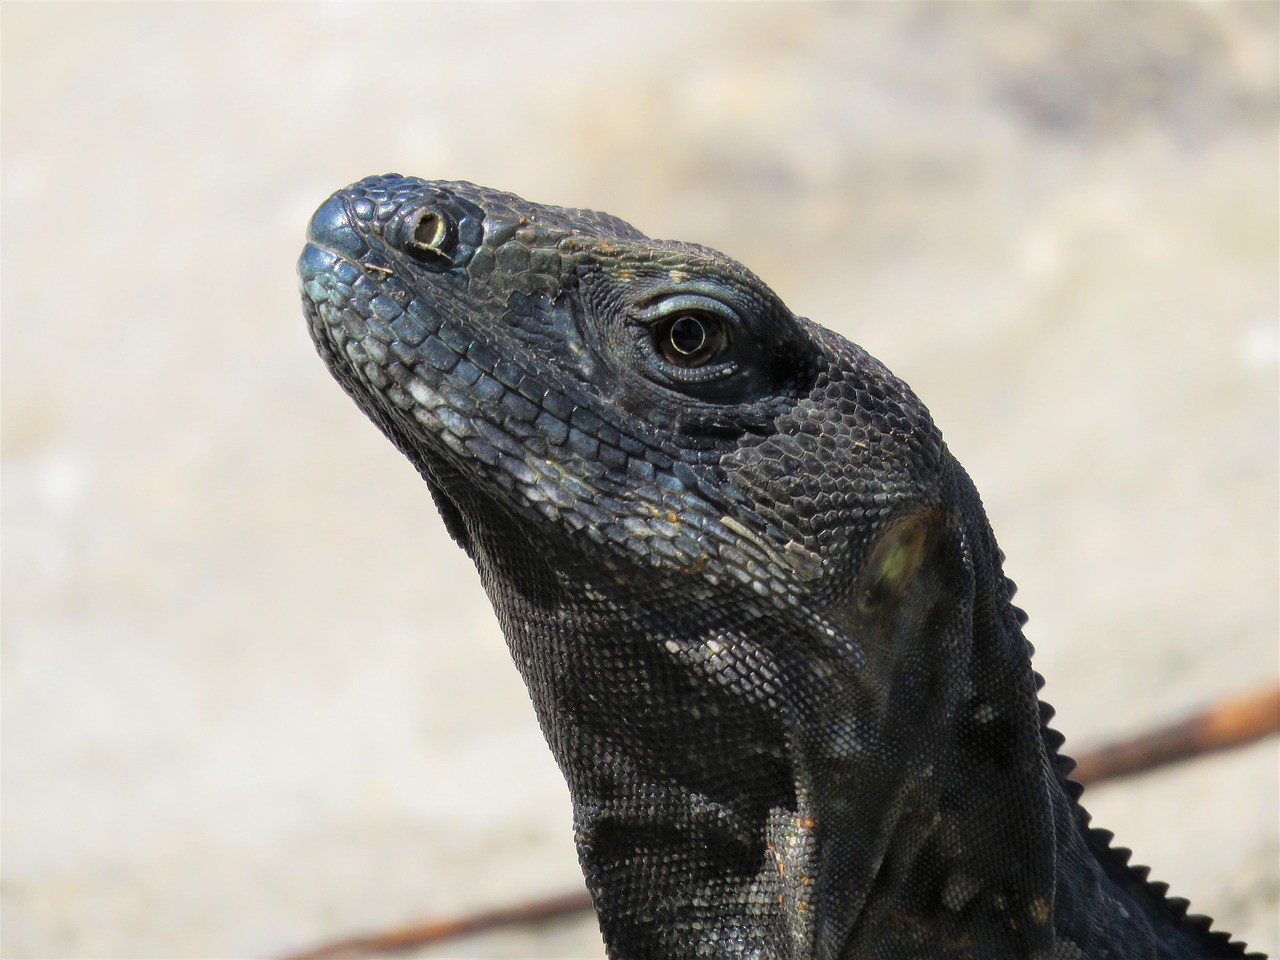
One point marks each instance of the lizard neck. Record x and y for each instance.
(800, 809)
(788, 799)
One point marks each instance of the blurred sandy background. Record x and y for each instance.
(253, 696)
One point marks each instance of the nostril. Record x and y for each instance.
(431, 232)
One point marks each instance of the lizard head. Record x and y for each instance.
(654, 397)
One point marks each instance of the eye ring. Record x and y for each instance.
(691, 338)
(431, 232)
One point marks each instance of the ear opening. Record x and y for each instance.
(896, 559)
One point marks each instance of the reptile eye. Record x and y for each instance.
(691, 339)
(431, 232)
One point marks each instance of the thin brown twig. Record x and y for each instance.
(1228, 723)
(434, 931)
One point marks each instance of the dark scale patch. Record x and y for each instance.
(991, 738)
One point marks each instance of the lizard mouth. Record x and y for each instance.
(322, 271)
(423, 370)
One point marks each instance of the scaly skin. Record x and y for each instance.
(755, 600)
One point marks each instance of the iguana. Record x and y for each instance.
(756, 601)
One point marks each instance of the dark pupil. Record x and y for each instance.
(691, 340)
(687, 336)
